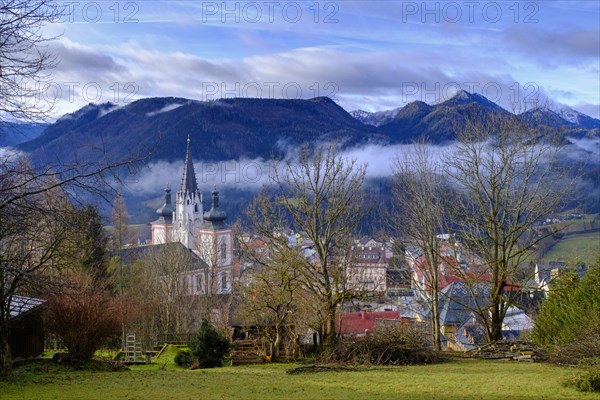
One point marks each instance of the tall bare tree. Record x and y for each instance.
(420, 216)
(120, 221)
(508, 179)
(163, 278)
(267, 297)
(24, 58)
(321, 198)
(31, 228)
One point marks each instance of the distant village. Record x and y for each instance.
(388, 279)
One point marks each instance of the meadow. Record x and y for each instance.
(460, 379)
(576, 248)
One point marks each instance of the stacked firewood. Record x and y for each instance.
(508, 350)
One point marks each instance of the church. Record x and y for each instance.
(204, 233)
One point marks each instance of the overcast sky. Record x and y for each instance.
(371, 55)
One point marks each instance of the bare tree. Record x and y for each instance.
(267, 297)
(31, 227)
(508, 179)
(420, 216)
(32, 230)
(321, 198)
(120, 221)
(165, 276)
(24, 58)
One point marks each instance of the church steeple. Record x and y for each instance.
(188, 182)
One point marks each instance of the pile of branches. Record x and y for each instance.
(508, 350)
(392, 345)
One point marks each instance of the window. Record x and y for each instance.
(224, 282)
(199, 283)
(223, 251)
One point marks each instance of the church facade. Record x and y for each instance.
(204, 233)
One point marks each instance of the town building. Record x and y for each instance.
(367, 270)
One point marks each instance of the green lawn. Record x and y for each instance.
(460, 379)
(575, 248)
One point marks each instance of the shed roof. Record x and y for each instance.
(22, 305)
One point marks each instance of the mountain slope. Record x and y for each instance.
(220, 130)
(439, 123)
(12, 134)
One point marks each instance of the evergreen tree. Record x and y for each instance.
(209, 346)
(572, 307)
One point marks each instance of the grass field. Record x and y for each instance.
(576, 248)
(459, 379)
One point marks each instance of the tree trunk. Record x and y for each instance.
(435, 319)
(5, 356)
(496, 322)
(275, 351)
(330, 338)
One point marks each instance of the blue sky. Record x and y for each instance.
(372, 55)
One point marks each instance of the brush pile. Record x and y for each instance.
(507, 350)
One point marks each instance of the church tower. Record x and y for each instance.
(188, 206)
(205, 233)
(215, 243)
(163, 226)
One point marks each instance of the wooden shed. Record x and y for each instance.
(26, 337)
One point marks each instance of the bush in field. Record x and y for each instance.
(184, 358)
(587, 381)
(209, 346)
(391, 345)
(83, 314)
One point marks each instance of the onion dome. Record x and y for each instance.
(165, 213)
(215, 215)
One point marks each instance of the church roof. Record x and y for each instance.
(214, 215)
(188, 183)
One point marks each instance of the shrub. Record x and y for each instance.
(209, 346)
(83, 315)
(587, 381)
(184, 358)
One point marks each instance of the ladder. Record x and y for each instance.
(133, 349)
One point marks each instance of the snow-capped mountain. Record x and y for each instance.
(575, 117)
(377, 118)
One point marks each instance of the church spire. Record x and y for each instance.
(188, 183)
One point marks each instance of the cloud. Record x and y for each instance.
(10, 154)
(243, 173)
(556, 47)
(74, 57)
(593, 110)
(167, 108)
(584, 149)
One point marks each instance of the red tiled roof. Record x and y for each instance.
(358, 322)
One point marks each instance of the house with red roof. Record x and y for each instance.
(360, 324)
